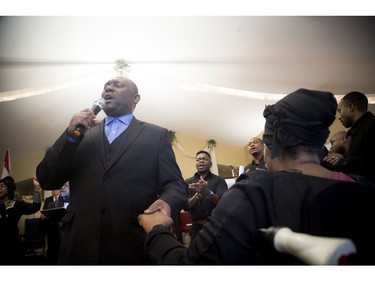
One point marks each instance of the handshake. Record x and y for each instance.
(148, 221)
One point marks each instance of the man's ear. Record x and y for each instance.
(136, 99)
(351, 107)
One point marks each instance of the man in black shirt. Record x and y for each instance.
(205, 190)
(256, 148)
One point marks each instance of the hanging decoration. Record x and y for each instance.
(214, 168)
(122, 67)
(172, 136)
(211, 144)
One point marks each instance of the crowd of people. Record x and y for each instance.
(126, 188)
(296, 192)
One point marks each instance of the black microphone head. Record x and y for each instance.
(98, 105)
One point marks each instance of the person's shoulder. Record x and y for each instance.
(217, 176)
(359, 192)
(368, 117)
(259, 173)
(265, 178)
(21, 203)
(372, 118)
(149, 125)
(193, 178)
(256, 178)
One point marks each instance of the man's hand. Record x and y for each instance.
(148, 221)
(159, 205)
(333, 158)
(36, 184)
(85, 118)
(200, 187)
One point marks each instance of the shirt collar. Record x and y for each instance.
(198, 175)
(126, 119)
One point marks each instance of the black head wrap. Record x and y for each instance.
(301, 118)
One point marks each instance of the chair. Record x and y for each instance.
(34, 240)
(181, 227)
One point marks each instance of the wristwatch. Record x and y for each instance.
(209, 194)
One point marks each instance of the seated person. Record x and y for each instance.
(339, 149)
(296, 192)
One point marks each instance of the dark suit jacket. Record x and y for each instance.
(106, 198)
(361, 155)
(49, 200)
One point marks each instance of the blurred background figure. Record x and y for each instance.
(11, 210)
(256, 150)
(339, 143)
(339, 149)
(53, 227)
(354, 114)
(65, 194)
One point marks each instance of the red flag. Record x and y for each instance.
(6, 167)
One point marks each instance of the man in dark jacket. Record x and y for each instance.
(354, 114)
(119, 169)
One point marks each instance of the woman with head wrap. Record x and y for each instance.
(295, 132)
(296, 192)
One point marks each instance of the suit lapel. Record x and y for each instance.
(129, 136)
(97, 139)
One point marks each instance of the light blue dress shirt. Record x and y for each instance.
(115, 126)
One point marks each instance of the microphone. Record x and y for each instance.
(313, 250)
(96, 107)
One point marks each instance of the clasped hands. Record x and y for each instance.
(158, 212)
(333, 158)
(200, 187)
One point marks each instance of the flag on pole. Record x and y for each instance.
(6, 166)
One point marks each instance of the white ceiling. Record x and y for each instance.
(208, 77)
